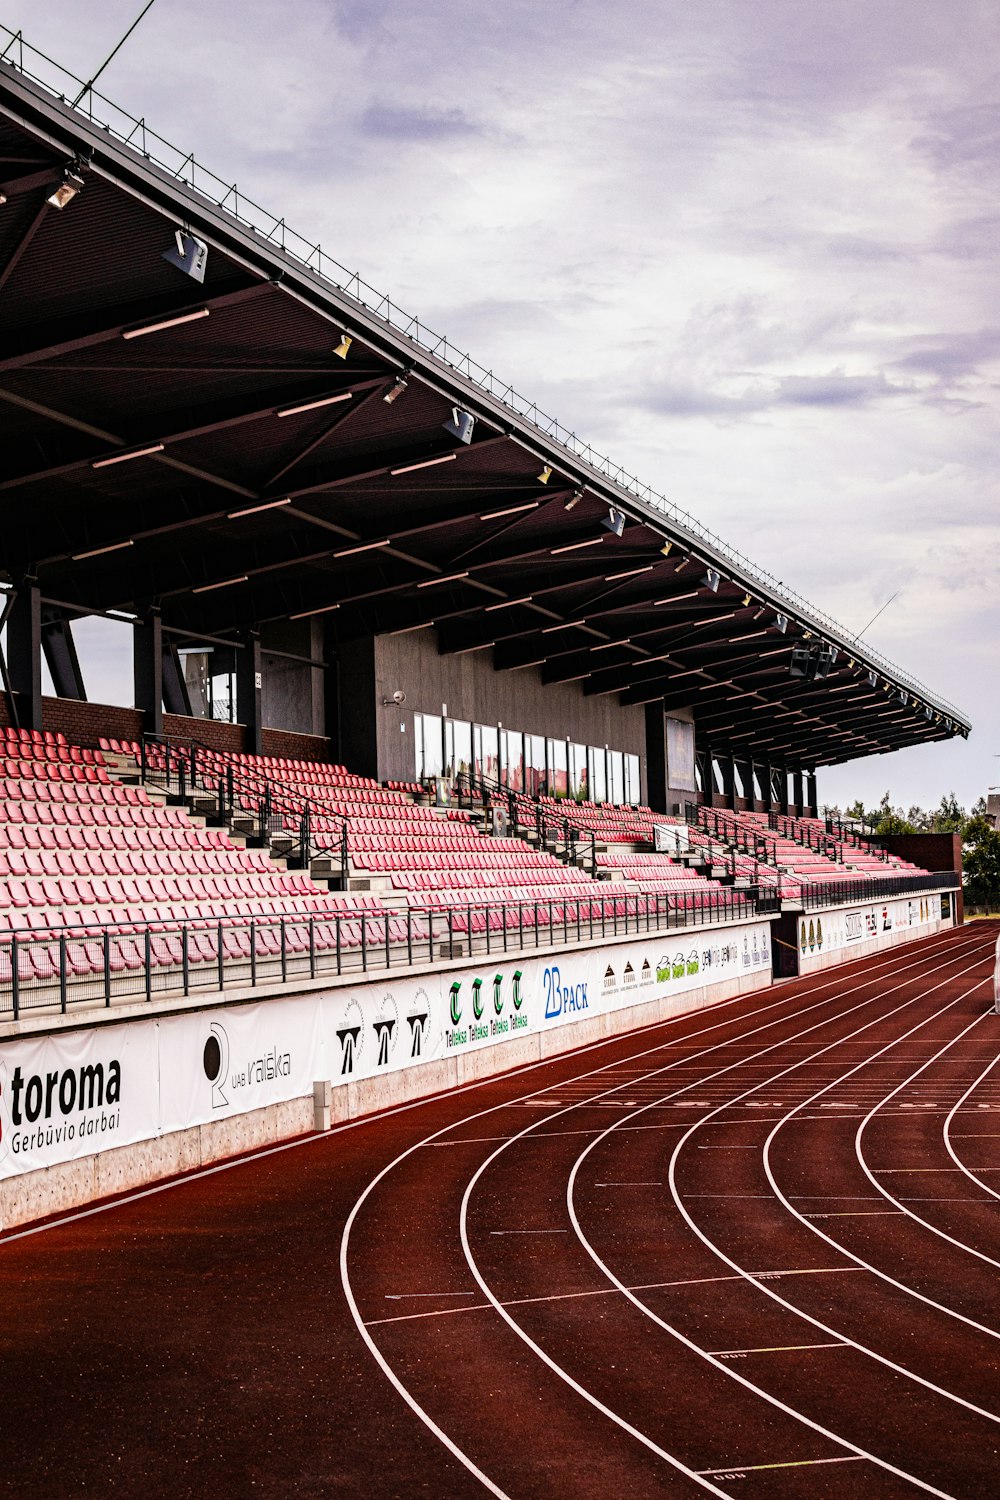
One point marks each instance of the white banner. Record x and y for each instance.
(670, 838)
(74, 1093)
(829, 930)
(80, 1092)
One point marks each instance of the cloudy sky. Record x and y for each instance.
(747, 247)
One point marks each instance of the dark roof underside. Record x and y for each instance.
(365, 511)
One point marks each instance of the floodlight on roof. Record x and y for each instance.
(67, 190)
(545, 475)
(460, 424)
(747, 601)
(188, 254)
(395, 390)
(666, 549)
(614, 521)
(781, 623)
(873, 678)
(574, 500)
(711, 580)
(343, 345)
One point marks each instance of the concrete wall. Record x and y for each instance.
(473, 690)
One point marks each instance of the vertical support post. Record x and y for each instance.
(798, 790)
(249, 681)
(811, 797)
(147, 670)
(24, 654)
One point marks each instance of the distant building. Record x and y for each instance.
(993, 806)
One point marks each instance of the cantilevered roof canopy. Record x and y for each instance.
(219, 450)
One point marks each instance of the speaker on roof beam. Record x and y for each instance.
(801, 662)
(188, 254)
(460, 425)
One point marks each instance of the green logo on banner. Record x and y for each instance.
(456, 1009)
(516, 996)
(477, 998)
(497, 996)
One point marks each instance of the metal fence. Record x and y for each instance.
(62, 968)
(874, 888)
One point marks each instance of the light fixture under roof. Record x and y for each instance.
(614, 521)
(430, 583)
(100, 551)
(224, 583)
(545, 475)
(157, 327)
(425, 463)
(122, 458)
(395, 390)
(711, 580)
(574, 500)
(781, 623)
(665, 550)
(254, 510)
(363, 547)
(460, 424)
(67, 190)
(293, 411)
(510, 510)
(343, 345)
(189, 254)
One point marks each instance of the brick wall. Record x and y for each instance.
(86, 723)
(931, 851)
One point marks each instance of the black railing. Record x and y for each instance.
(807, 834)
(874, 888)
(59, 968)
(260, 804)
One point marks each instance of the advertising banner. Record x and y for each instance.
(80, 1092)
(832, 929)
(75, 1093)
(670, 838)
(217, 1063)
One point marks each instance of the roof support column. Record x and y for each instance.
(24, 654)
(798, 791)
(811, 800)
(249, 683)
(656, 758)
(727, 765)
(147, 670)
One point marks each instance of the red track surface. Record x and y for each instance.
(751, 1252)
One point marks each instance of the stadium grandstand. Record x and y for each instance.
(420, 679)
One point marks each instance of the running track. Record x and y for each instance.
(751, 1252)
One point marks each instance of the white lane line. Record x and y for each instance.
(884, 1276)
(756, 1281)
(779, 1349)
(628, 1184)
(873, 1172)
(859, 1213)
(405, 1296)
(737, 1471)
(373, 1349)
(528, 1231)
(973, 1176)
(610, 1291)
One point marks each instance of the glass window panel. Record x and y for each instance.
(534, 764)
(485, 750)
(633, 785)
(578, 771)
(616, 776)
(433, 757)
(512, 755)
(462, 739)
(598, 775)
(558, 774)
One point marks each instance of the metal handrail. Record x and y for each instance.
(88, 963)
(183, 166)
(181, 755)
